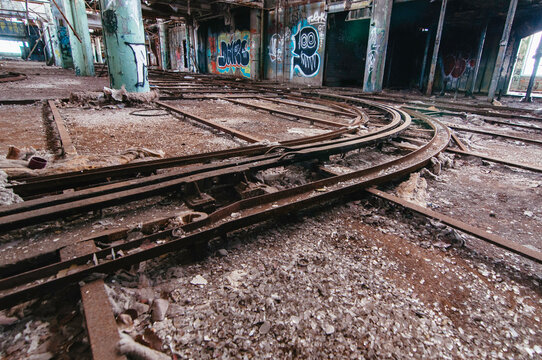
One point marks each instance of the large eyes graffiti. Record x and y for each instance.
(306, 58)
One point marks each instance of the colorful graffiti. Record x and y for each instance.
(307, 40)
(234, 53)
(276, 44)
(306, 59)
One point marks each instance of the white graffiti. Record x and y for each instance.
(276, 44)
(317, 18)
(141, 62)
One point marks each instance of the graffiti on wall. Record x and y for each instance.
(233, 53)
(307, 38)
(376, 37)
(64, 42)
(276, 44)
(306, 60)
(141, 62)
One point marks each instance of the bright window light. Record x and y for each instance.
(529, 60)
(10, 47)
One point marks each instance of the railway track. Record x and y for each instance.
(252, 210)
(206, 181)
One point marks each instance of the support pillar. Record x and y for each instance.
(124, 39)
(255, 51)
(478, 58)
(162, 35)
(425, 56)
(98, 46)
(502, 50)
(377, 45)
(537, 57)
(83, 61)
(61, 34)
(94, 58)
(436, 48)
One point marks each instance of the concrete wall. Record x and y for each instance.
(229, 53)
(295, 44)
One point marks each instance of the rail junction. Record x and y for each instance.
(223, 192)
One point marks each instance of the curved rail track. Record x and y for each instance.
(360, 123)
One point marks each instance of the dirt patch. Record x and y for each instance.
(111, 131)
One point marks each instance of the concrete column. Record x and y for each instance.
(478, 58)
(83, 61)
(502, 50)
(98, 46)
(61, 35)
(95, 59)
(164, 48)
(377, 45)
(436, 48)
(124, 39)
(255, 37)
(52, 34)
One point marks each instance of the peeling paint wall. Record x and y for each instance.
(295, 44)
(177, 48)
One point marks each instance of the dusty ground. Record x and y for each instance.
(113, 131)
(268, 127)
(355, 279)
(22, 126)
(46, 82)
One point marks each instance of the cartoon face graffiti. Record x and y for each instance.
(306, 58)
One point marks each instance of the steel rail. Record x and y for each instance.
(496, 240)
(492, 133)
(47, 208)
(496, 160)
(304, 197)
(227, 130)
(512, 112)
(54, 183)
(427, 111)
(303, 106)
(50, 183)
(289, 114)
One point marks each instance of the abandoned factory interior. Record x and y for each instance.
(270, 179)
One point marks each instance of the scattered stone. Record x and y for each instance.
(127, 346)
(198, 280)
(223, 252)
(159, 309)
(124, 322)
(414, 190)
(328, 329)
(265, 327)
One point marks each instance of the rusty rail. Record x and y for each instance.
(269, 206)
(499, 241)
(65, 139)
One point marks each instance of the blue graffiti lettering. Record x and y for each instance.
(233, 54)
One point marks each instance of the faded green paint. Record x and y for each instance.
(124, 39)
(83, 61)
(377, 45)
(164, 51)
(52, 33)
